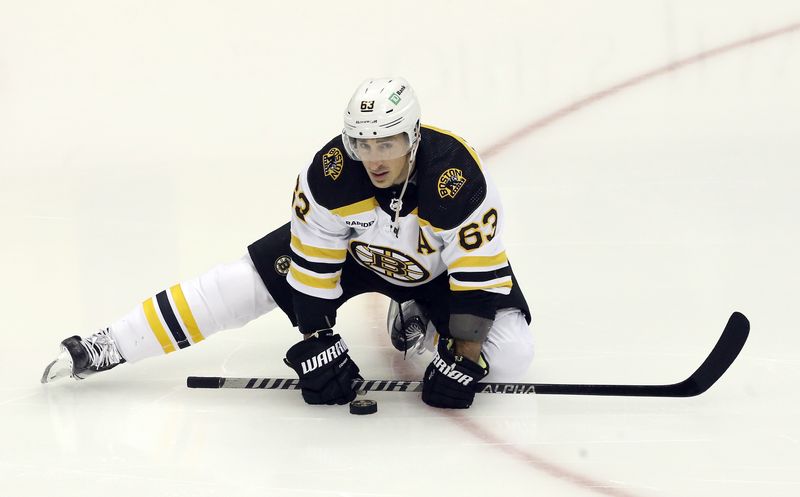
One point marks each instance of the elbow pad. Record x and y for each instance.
(469, 327)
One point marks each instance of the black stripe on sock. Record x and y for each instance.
(171, 320)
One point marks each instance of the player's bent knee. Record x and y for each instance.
(511, 364)
(509, 348)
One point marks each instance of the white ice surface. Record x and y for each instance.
(143, 142)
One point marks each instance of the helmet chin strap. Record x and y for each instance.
(397, 203)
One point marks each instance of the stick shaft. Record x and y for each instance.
(358, 385)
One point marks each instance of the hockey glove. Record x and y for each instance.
(450, 380)
(325, 369)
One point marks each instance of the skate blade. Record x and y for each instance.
(58, 369)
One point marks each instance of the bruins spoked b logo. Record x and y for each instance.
(332, 163)
(282, 264)
(389, 262)
(451, 182)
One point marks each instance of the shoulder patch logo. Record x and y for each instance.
(451, 182)
(332, 163)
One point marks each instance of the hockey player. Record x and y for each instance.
(388, 206)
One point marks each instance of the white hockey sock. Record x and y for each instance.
(228, 296)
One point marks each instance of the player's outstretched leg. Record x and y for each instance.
(81, 357)
(409, 327)
(228, 296)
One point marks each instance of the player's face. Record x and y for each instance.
(385, 159)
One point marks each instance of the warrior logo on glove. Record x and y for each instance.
(324, 357)
(450, 371)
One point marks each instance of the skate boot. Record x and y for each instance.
(81, 357)
(408, 327)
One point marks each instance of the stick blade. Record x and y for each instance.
(723, 354)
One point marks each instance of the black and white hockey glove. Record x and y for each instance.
(450, 380)
(325, 369)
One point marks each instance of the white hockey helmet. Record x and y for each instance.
(380, 108)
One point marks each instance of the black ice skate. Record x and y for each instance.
(408, 325)
(80, 357)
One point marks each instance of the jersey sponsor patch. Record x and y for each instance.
(332, 163)
(451, 182)
(358, 223)
(389, 262)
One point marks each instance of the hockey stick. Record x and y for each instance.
(721, 357)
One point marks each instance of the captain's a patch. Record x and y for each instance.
(332, 163)
(451, 182)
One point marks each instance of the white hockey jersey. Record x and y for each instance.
(452, 220)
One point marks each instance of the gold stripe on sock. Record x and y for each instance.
(186, 313)
(157, 327)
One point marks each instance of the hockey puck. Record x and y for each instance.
(363, 406)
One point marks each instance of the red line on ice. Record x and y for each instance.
(538, 462)
(638, 79)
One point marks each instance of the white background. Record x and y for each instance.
(143, 142)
